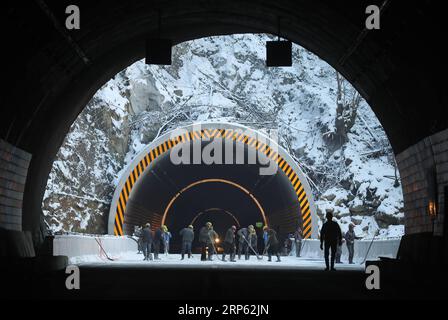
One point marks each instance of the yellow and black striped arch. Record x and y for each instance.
(235, 135)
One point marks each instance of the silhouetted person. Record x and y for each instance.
(242, 243)
(157, 242)
(187, 235)
(331, 236)
(251, 241)
(213, 236)
(287, 245)
(298, 236)
(138, 232)
(272, 244)
(147, 242)
(229, 244)
(205, 240)
(350, 238)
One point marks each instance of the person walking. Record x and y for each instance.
(229, 244)
(298, 236)
(350, 238)
(331, 236)
(187, 235)
(147, 238)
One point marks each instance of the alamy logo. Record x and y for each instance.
(73, 280)
(373, 280)
(227, 151)
(373, 20)
(73, 21)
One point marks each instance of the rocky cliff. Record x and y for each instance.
(321, 120)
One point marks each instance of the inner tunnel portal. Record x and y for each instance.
(157, 190)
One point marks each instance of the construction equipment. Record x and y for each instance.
(371, 242)
(213, 244)
(102, 251)
(253, 250)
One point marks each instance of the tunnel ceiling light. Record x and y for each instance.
(278, 53)
(158, 51)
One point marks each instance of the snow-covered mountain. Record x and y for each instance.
(321, 120)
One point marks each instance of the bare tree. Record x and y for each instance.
(347, 102)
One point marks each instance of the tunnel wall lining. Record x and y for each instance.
(14, 164)
(424, 175)
(208, 131)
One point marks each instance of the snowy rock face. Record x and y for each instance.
(321, 120)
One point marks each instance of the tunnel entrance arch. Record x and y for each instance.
(382, 66)
(301, 208)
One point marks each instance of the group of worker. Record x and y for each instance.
(149, 241)
(246, 241)
(245, 238)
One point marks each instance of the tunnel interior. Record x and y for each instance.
(399, 70)
(68, 68)
(216, 202)
(225, 194)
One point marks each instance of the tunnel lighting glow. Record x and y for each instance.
(217, 240)
(217, 210)
(170, 204)
(432, 209)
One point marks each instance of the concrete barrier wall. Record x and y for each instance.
(76, 246)
(380, 248)
(84, 245)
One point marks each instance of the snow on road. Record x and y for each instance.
(132, 259)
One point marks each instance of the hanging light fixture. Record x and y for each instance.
(158, 50)
(278, 53)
